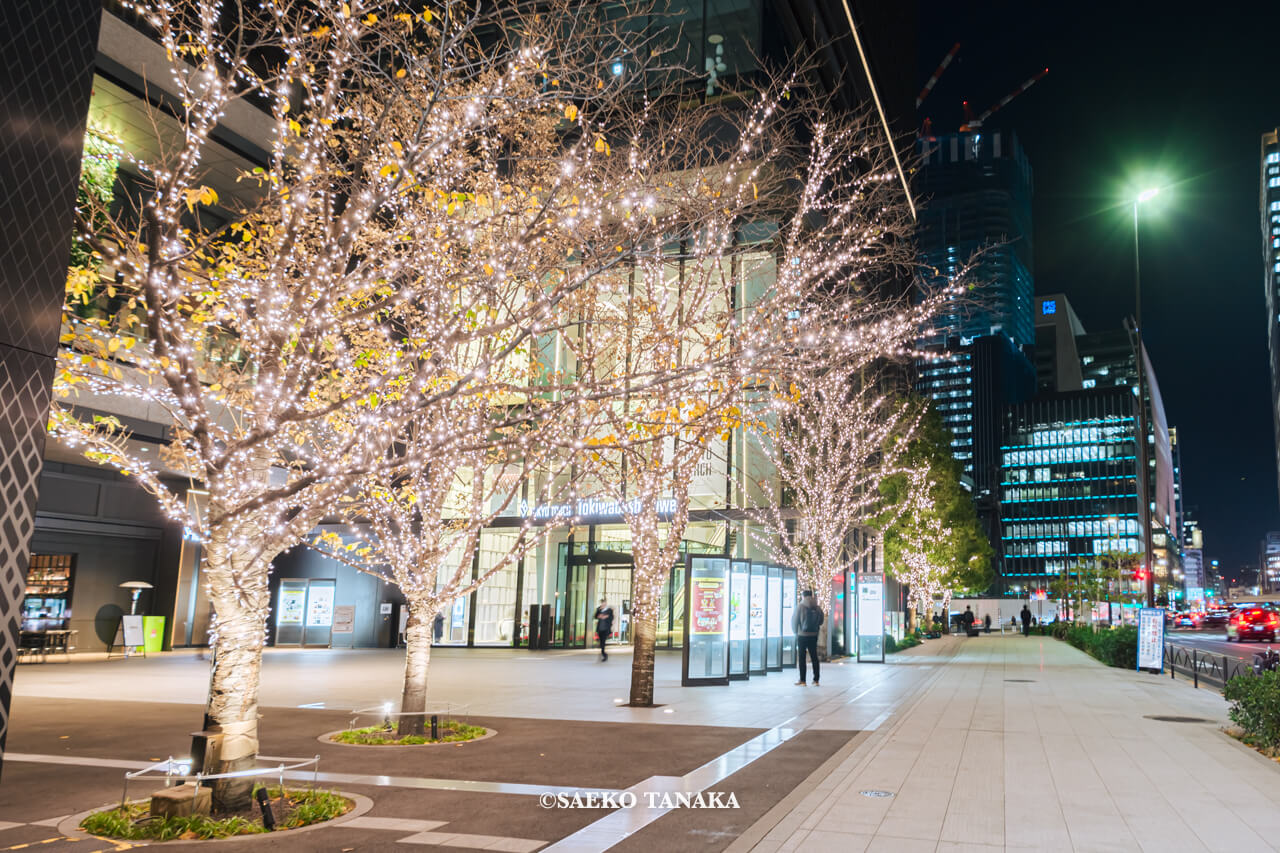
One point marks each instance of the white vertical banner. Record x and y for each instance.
(1151, 638)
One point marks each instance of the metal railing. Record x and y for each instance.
(179, 770)
(1197, 665)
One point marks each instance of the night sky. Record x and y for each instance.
(1140, 89)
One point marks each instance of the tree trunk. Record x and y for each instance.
(237, 576)
(645, 588)
(232, 708)
(418, 638)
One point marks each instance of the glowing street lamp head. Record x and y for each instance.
(1148, 194)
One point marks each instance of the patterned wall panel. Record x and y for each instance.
(49, 48)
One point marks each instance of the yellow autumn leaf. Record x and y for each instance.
(571, 112)
(295, 127)
(426, 15)
(370, 19)
(319, 32)
(600, 144)
(389, 169)
(488, 269)
(113, 344)
(400, 74)
(346, 10)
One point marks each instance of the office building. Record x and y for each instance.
(1071, 488)
(1269, 207)
(1269, 563)
(976, 191)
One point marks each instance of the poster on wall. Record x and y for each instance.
(1151, 639)
(292, 600)
(344, 619)
(320, 605)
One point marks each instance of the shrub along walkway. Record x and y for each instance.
(1027, 743)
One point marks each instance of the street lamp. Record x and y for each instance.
(1145, 491)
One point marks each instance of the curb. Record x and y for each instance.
(70, 826)
(325, 739)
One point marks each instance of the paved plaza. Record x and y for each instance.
(984, 744)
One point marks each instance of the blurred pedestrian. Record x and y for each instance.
(1026, 620)
(604, 626)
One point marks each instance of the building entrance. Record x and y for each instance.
(614, 584)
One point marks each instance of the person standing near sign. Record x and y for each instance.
(604, 626)
(1026, 620)
(806, 621)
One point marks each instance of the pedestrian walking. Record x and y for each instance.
(604, 626)
(437, 628)
(986, 624)
(806, 621)
(1026, 621)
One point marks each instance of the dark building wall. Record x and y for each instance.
(372, 628)
(116, 533)
(48, 50)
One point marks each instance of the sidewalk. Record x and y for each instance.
(1028, 744)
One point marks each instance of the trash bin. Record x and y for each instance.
(152, 634)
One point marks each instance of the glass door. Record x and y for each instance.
(614, 584)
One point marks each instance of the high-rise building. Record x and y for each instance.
(972, 386)
(976, 190)
(1196, 579)
(1069, 471)
(1269, 204)
(1269, 562)
(1068, 360)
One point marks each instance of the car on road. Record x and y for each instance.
(1215, 619)
(1253, 623)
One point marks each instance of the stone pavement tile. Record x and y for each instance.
(977, 821)
(894, 844)
(925, 828)
(399, 824)
(822, 841)
(516, 845)
(966, 847)
(1099, 832)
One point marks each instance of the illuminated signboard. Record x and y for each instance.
(1049, 306)
(706, 656)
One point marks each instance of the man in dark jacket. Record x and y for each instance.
(1026, 620)
(604, 626)
(806, 621)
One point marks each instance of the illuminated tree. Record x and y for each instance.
(839, 434)
(936, 544)
(722, 316)
(407, 246)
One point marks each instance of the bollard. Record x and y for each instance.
(264, 803)
(435, 727)
(1195, 668)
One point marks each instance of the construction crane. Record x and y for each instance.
(933, 81)
(976, 123)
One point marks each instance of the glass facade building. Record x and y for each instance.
(976, 189)
(1269, 205)
(1069, 482)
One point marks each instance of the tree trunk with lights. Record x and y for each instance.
(237, 582)
(417, 661)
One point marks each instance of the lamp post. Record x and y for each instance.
(1144, 490)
